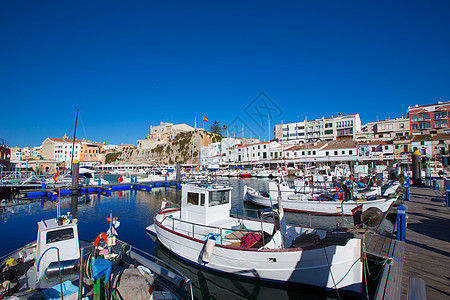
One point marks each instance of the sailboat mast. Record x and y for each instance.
(74, 136)
(268, 117)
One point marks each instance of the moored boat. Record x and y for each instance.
(54, 266)
(325, 204)
(202, 232)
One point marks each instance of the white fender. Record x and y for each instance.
(209, 249)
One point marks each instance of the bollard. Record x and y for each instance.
(43, 185)
(401, 223)
(165, 177)
(407, 180)
(99, 181)
(434, 184)
(406, 187)
(447, 195)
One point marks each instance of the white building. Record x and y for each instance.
(340, 127)
(61, 150)
(375, 149)
(215, 153)
(330, 151)
(250, 153)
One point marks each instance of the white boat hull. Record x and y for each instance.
(326, 207)
(292, 265)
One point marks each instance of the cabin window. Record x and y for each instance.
(192, 198)
(59, 235)
(218, 198)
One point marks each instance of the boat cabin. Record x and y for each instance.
(205, 203)
(53, 237)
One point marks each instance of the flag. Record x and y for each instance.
(205, 119)
(56, 176)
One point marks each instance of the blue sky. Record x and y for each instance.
(131, 64)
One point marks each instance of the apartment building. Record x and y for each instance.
(429, 119)
(334, 128)
(388, 129)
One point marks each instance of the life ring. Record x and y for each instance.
(120, 179)
(126, 174)
(101, 236)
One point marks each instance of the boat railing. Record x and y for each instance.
(201, 231)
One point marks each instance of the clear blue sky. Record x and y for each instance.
(130, 64)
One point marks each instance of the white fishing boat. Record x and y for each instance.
(263, 173)
(203, 233)
(318, 203)
(54, 265)
(86, 176)
(156, 175)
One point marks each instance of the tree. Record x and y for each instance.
(224, 129)
(215, 128)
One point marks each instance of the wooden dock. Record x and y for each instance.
(427, 247)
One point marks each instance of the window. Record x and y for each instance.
(440, 124)
(327, 153)
(309, 152)
(328, 125)
(218, 198)
(314, 152)
(335, 153)
(441, 142)
(425, 125)
(303, 153)
(424, 117)
(329, 131)
(399, 134)
(343, 151)
(402, 125)
(414, 126)
(440, 115)
(350, 152)
(192, 198)
(422, 143)
(396, 146)
(386, 147)
(414, 118)
(59, 235)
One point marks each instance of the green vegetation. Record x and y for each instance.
(215, 128)
(111, 157)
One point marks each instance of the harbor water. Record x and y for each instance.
(135, 211)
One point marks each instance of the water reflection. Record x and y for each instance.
(208, 284)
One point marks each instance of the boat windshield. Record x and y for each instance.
(219, 198)
(59, 235)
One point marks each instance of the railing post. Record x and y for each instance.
(401, 223)
(434, 184)
(447, 195)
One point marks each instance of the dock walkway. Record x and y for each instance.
(427, 249)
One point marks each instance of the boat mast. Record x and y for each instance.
(268, 117)
(73, 142)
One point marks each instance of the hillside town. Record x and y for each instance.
(326, 141)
